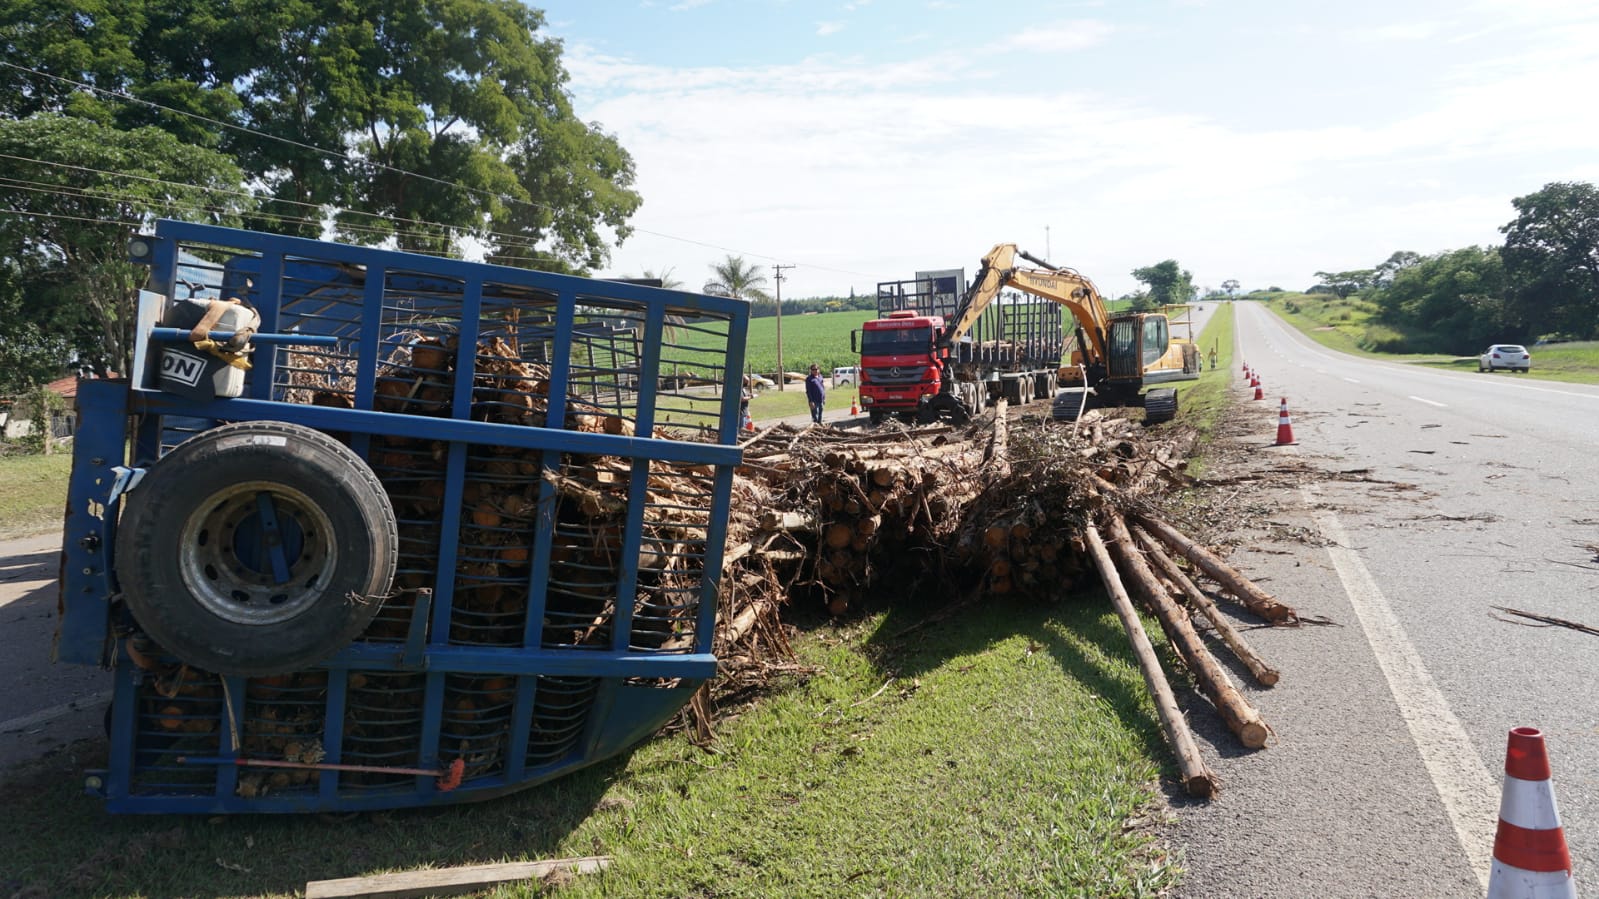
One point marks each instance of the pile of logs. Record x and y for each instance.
(837, 517)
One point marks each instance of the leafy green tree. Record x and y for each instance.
(1168, 283)
(1384, 274)
(1451, 302)
(74, 192)
(733, 277)
(425, 124)
(1231, 285)
(1551, 255)
(1345, 283)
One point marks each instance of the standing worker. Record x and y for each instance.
(816, 392)
(1213, 357)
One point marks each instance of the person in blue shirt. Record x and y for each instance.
(816, 392)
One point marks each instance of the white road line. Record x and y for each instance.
(1430, 402)
(1468, 790)
(1351, 380)
(45, 715)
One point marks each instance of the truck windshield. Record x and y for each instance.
(896, 341)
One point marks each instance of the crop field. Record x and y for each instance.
(822, 338)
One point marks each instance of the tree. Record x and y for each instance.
(90, 188)
(424, 124)
(667, 279)
(733, 277)
(1168, 283)
(1551, 256)
(1345, 283)
(1384, 274)
(1231, 286)
(1452, 302)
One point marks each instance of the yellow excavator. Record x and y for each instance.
(1115, 357)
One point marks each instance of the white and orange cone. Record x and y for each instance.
(854, 407)
(1259, 393)
(1285, 425)
(1530, 856)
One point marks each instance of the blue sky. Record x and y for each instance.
(1260, 141)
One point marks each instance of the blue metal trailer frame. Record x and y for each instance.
(515, 672)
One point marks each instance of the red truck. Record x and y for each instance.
(918, 364)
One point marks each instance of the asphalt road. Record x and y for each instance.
(1459, 492)
(43, 706)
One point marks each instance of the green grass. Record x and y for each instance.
(1006, 752)
(33, 493)
(822, 338)
(1346, 326)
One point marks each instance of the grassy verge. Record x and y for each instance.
(33, 493)
(1341, 325)
(1006, 752)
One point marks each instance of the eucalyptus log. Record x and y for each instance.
(1239, 716)
(1264, 674)
(1259, 601)
(1197, 779)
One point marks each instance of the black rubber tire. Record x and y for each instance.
(1160, 406)
(944, 407)
(200, 584)
(1067, 403)
(875, 417)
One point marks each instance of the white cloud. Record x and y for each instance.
(684, 5)
(823, 29)
(1060, 37)
(863, 171)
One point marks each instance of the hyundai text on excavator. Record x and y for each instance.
(926, 359)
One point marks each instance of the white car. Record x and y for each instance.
(844, 375)
(1508, 356)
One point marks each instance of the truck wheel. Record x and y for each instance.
(944, 407)
(1160, 406)
(875, 417)
(256, 548)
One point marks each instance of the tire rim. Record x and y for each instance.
(257, 553)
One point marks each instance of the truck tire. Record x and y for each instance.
(875, 417)
(256, 548)
(1160, 406)
(944, 407)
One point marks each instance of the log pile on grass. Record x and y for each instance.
(835, 518)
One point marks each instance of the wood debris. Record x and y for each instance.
(837, 518)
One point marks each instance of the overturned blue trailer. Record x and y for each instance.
(365, 529)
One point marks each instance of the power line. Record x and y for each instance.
(384, 167)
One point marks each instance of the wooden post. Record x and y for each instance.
(1196, 777)
(1259, 601)
(1240, 717)
(1265, 675)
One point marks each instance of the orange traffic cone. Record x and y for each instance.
(1246, 368)
(1259, 394)
(1530, 857)
(1285, 425)
(854, 409)
(749, 423)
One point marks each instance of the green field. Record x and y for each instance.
(33, 493)
(822, 338)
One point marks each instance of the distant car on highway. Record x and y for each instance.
(1507, 356)
(845, 374)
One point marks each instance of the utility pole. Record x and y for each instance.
(1046, 245)
(782, 381)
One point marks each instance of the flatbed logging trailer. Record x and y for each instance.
(365, 529)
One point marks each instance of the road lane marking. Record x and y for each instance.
(61, 711)
(1352, 380)
(1430, 402)
(1469, 792)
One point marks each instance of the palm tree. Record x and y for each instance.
(665, 277)
(738, 279)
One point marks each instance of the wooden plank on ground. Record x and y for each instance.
(447, 881)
